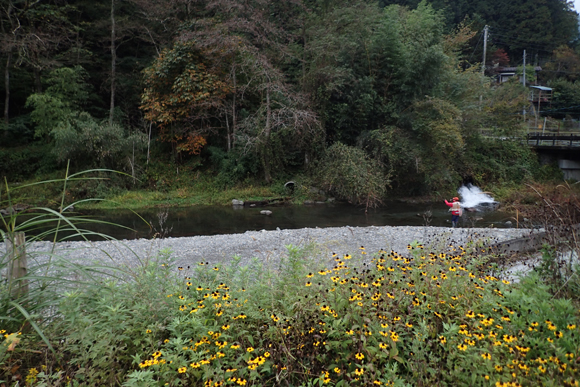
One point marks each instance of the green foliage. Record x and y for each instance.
(77, 135)
(233, 167)
(29, 300)
(19, 163)
(350, 174)
(489, 160)
(368, 66)
(305, 324)
(503, 108)
(422, 154)
(105, 145)
(65, 95)
(262, 80)
(107, 326)
(566, 97)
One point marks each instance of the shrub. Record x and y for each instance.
(414, 319)
(350, 174)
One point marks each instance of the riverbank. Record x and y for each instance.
(269, 246)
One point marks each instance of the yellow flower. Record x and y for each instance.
(359, 356)
(486, 356)
(359, 371)
(250, 349)
(182, 370)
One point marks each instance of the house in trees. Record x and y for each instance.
(504, 73)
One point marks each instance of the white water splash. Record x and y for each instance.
(472, 196)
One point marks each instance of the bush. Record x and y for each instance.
(420, 318)
(21, 163)
(414, 319)
(233, 167)
(350, 174)
(106, 327)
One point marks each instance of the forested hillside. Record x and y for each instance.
(362, 97)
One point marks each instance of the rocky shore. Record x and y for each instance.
(267, 246)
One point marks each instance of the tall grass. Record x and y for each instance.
(49, 274)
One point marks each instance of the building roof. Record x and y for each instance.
(543, 88)
(512, 69)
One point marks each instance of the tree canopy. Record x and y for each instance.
(265, 88)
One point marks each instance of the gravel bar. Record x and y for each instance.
(268, 246)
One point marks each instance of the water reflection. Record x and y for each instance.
(212, 220)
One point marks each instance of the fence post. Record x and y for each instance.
(17, 266)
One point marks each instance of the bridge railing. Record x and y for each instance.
(539, 139)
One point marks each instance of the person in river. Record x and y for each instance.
(455, 210)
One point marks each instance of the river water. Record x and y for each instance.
(480, 211)
(213, 220)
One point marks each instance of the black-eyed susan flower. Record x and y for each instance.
(182, 370)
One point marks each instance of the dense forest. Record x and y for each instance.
(362, 97)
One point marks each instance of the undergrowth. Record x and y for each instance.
(418, 318)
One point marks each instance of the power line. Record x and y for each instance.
(477, 45)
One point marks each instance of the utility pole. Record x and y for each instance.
(524, 67)
(524, 82)
(483, 62)
(484, 49)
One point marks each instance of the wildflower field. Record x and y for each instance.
(421, 317)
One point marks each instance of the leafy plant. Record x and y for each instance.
(29, 298)
(349, 173)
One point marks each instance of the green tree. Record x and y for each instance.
(59, 117)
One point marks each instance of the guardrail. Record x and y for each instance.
(553, 140)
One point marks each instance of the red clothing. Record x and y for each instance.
(454, 211)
